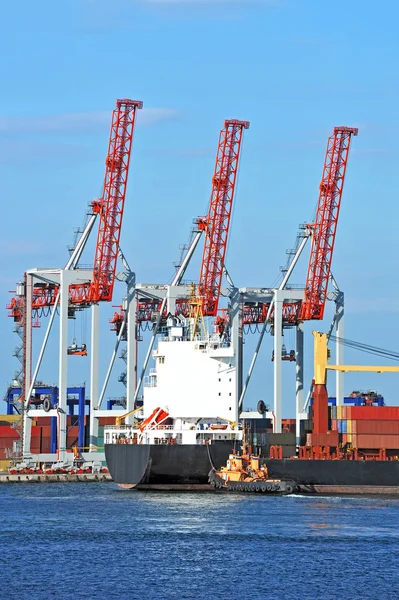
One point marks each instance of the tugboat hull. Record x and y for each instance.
(260, 487)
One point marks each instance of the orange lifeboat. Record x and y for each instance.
(157, 417)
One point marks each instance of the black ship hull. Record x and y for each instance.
(153, 464)
(336, 472)
(133, 465)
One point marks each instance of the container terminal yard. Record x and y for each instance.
(182, 416)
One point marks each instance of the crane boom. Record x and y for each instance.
(325, 226)
(110, 206)
(218, 220)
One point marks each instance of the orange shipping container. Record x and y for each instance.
(375, 442)
(324, 439)
(111, 421)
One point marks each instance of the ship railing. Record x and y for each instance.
(149, 381)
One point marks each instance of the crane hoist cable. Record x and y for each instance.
(390, 354)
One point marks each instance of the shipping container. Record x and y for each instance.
(7, 442)
(45, 421)
(375, 442)
(376, 427)
(6, 431)
(111, 420)
(334, 425)
(371, 413)
(324, 439)
(45, 448)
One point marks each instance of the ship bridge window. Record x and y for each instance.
(161, 360)
(202, 346)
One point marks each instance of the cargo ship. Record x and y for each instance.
(189, 419)
(189, 423)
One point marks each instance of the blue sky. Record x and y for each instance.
(294, 68)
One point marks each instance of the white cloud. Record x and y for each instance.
(78, 122)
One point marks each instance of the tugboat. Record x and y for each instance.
(243, 473)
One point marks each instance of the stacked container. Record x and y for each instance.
(367, 427)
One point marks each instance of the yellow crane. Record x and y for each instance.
(232, 424)
(322, 354)
(120, 420)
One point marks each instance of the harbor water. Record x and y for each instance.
(77, 541)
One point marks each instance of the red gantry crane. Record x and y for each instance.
(109, 208)
(216, 227)
(217, 223)
(323, 232)
(325, 227)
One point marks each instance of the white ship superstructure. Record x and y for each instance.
(194, 382)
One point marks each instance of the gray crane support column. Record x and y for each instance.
(299, 378)
(176, 281)
(339, 381)
(132, 358)
(65, 279)
(278, 331)
(237, 341)
(27, 422)
(94, 352)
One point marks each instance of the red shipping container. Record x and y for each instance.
(349, 412)
(344, 438)
(378, 427)
(111, 421)
(375, 442)
(36, 431)
(334, 425)
(44, 421)
(371, 413)
(325, 439)
(45, 447)
(7, 442)
(8, 432)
